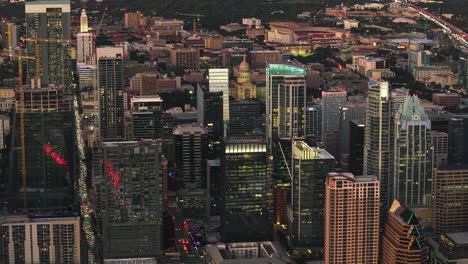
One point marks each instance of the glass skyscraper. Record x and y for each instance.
(247, 191)
(49, 20)
(285, 102)
(128, 189)
(378, 139)
(413, 154)
(310, 167)
(111, 92)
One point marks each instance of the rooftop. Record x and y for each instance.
(460, 238)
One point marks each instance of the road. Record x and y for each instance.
(188, 252)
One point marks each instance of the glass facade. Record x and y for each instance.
(413, 154)
(49, 20)
(286, 101)
(310, 167)
(247, 195)
(129, 191)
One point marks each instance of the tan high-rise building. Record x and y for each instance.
(440, 144)
(40, 240)
(450, 199)
(402, 241)
(134, 19)
(351, 219)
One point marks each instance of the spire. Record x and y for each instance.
(83, 21)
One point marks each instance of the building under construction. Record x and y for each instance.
(50, 152)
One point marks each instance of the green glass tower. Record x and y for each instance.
(49, 34)
(285, 101)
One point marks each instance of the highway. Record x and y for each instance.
(453, 31)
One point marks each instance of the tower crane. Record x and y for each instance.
(195, 20)
(21, 102)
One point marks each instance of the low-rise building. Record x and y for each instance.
(247, 253)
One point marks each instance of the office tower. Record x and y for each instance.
(210, 109)
(413, 154)
(285, 102)
(313, 122)
(450, 199)
(402, 241)
(49, 20)
(351, 219)
(347, 112)
(246, 118)
(440, 144)
(244, 88)
(50, 151)
(310, 167)
(87, 74)
(54, 240)
(330, 104)
(458, 140)
(133, 20)
(187, 58)
(356, 147)
(191, 149)
(378, 141)
(146, 116)
(127, 179)
(111, 93)
(463, 71)
(85, 45)
(219, 82)
(449, 248)
(247, 193)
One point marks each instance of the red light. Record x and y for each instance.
(173, 217)
(5, 202)
(125, 54)
(55, 156)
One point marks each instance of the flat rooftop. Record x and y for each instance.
(460, 238)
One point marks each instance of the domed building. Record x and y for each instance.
(244, 88)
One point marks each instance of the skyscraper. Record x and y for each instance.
(129, 198)
(85, 45)
(146, 117)
(111, 93)
(210, 111)
(450, 201)
(330, 104)
(356, 147)
(378, 141)
(347, 112)
(191, 149)
(310, 167)
(351, 219)
(247, 191)
(313, 122)
(402, 241)
(219, 82)
(457, 140)
(40, 240)
(246, 118)
(49, 20)
(413, 154)
(50, 152)
(285, 102)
